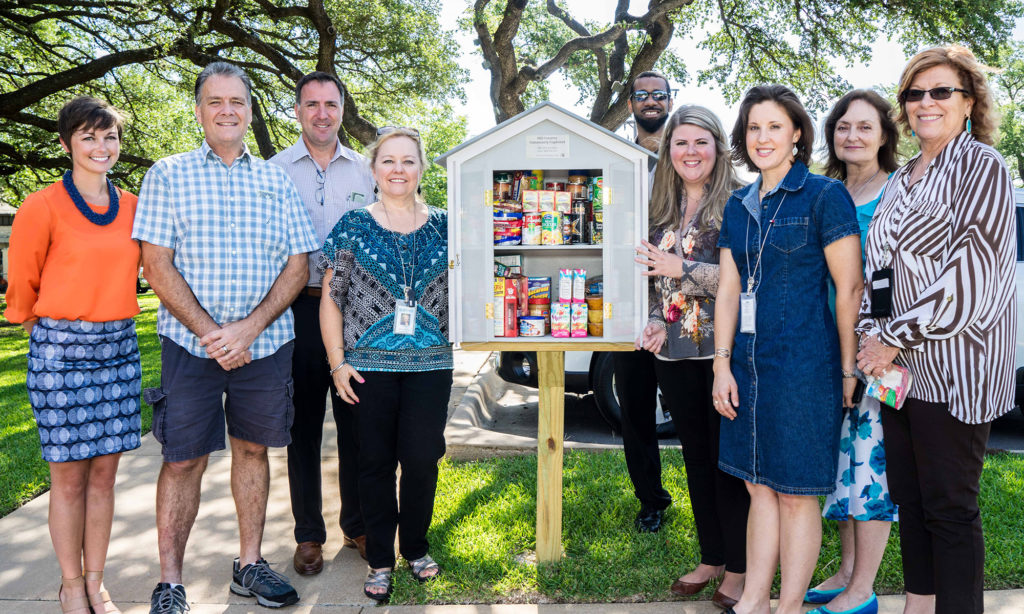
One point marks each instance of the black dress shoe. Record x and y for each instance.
(648, 520)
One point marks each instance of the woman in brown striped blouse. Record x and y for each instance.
(945, 232)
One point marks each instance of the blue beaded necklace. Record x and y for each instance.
(92, 216)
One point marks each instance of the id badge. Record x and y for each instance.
(881, 293)
(748, 312)
(405, 318)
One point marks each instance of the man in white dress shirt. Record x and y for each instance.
(332, 180)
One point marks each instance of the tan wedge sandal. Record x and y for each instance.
(100, 601)
(73, 604)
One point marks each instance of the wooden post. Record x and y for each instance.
(550, 434)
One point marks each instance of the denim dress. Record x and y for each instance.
(788, 373)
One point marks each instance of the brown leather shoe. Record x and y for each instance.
(359, 543)
(309, 558)
(723, 601)
(685, 589)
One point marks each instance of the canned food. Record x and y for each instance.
(557, 186)
(531, 228)
(551, 228)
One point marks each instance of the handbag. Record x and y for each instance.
(890, 389)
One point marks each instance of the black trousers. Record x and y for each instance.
(310, 372)
(719, 501)
(934, 463)
(400, 420)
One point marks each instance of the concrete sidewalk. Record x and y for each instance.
(29, 575)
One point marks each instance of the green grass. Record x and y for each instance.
(485, 512)
(23, 473)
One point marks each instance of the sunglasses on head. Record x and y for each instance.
(937, 93)
(388, 129)
(658, 95)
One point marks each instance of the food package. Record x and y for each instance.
(551, 228)
(499, 304)
(579, 285)
(547, 200)
(522, 293)
(540, 287)
(514, 262)
(596, 329)
(517, 185)
(561, 315)
(563, 202)
(510, 309)
(531, 201)
(531, 326)
(578, 320)
(565, 285)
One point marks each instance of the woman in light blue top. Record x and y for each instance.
(861, 137)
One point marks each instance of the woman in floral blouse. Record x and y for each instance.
(692, 182)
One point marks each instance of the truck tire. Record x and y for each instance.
(607, 402)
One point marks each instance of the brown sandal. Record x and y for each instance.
(100, 601)
(73, 604)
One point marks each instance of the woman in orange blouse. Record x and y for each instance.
(73, 269)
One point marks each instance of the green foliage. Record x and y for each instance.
(440, 130)
(1010, 93)
(393, 56)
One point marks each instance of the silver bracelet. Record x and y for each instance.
(340, 365)
(847, 374)
(723, 353)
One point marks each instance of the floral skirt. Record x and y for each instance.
(84, 380)
(862, 491)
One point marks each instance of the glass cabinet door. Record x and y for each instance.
(471, 236)
(625, 290)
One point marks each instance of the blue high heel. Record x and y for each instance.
(815, 596)
(868, 607)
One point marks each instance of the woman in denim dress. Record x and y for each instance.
(791, 366)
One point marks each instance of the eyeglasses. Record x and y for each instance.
(658, 95)
(321, 179)
(937, 93)
(389, 129)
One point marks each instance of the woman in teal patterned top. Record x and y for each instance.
(385, 327)
(861, 137)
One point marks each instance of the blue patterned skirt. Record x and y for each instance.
(84, 380)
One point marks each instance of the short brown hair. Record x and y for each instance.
(785, 98)
(87, 113)
(836, 168)
(972, 78)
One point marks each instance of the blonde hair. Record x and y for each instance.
(374, 149)
(972, 78)
(666, 196)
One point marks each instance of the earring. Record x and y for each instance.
(796, 150)
(968, 124)
(376, 190)
(418, 190)
(913, 134)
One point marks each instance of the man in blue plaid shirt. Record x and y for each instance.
(224, 242)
